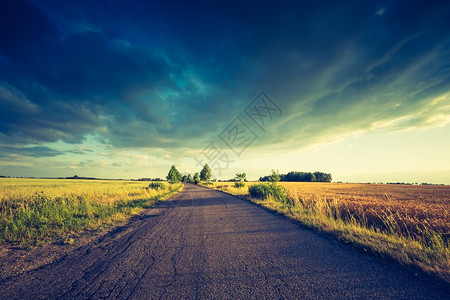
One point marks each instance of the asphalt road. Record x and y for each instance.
(206, 244)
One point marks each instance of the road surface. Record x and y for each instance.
(206, 244)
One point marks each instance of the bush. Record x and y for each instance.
(264, 191)
(197, 178)
(157, 185)
(239, 184)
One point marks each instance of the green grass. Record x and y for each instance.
(157, 185)
(266, 190)
(239, 184)
(34, 213)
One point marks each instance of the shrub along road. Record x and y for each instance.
(206, 244)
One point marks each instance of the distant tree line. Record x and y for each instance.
(78, 177)
(301, 177)
(150, 179)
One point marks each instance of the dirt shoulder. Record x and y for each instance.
(15, 260)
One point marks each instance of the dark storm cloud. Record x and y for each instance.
(11, 152)
(165, 74)
(23, 121)
(37, 151)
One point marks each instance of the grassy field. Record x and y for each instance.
(38, 211)
(406, 223)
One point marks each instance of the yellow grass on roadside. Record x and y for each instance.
(36, 211)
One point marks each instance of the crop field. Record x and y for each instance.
(409, 208)
(37, 211)
(408, 223)
(414, 207)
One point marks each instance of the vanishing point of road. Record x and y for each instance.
(205, 244)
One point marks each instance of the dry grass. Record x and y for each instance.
(409, 224)
(414, 208)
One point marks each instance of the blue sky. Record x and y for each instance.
(125, 89)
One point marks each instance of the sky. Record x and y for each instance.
(125, 89)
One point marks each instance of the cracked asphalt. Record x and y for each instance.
(209, 245)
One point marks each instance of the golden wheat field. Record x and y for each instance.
(414, 207)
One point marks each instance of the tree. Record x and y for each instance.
(205, 173)
(184, 178)
(301, 177)
(174, 176)
(275, 176)
(241, 177)
(196, 178)
(189, 178)
(322, 177)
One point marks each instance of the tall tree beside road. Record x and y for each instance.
(205, 173)
(174, 176)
